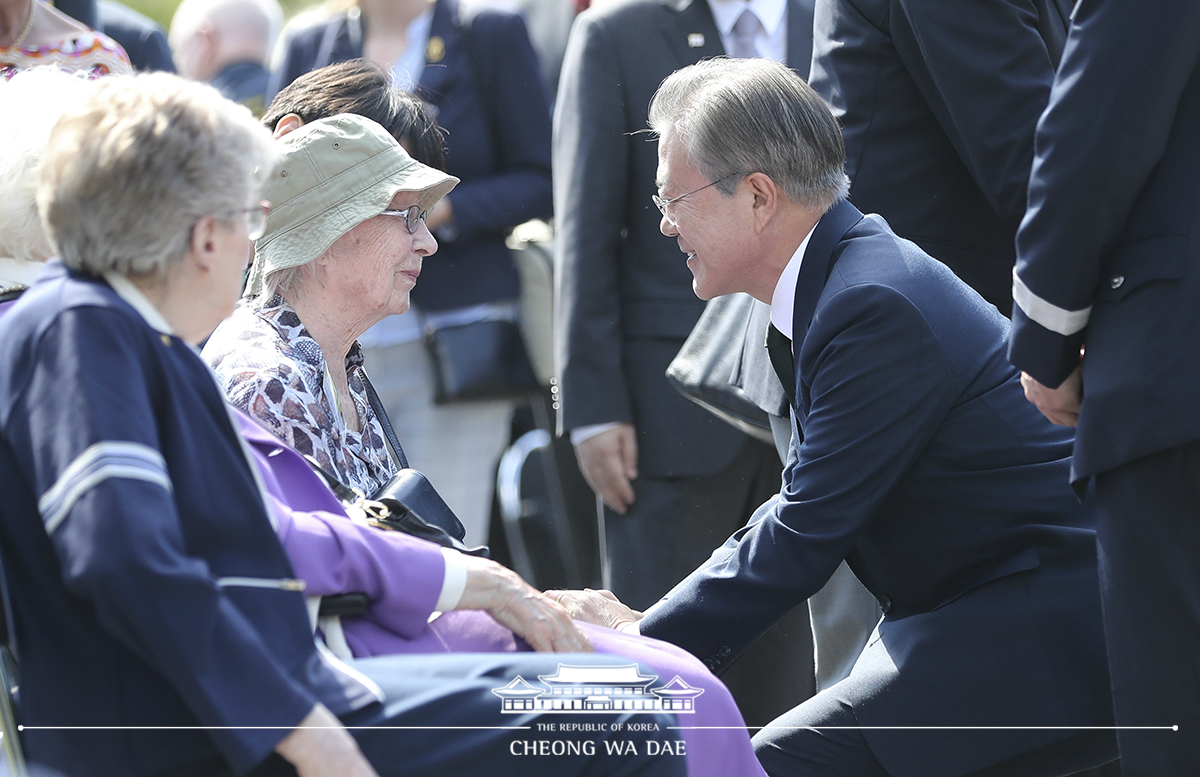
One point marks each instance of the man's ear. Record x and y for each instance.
(204, 242)
(766, 194)
(288, 123)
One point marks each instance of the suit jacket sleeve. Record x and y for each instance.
(880, 388)
(119, 539)
(986, 75)
(1097, 145)
(590, 191)
(518, 121)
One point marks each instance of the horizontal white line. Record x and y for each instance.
(270, 728)
(930, 728)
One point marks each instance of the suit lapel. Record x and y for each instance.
(691, 32)
(443, 27)
(814, 272)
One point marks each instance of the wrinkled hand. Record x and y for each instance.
(520, 608)
(321, 747)
(1060, 405)
(601, 608)
(608, 462)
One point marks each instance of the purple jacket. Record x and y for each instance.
(401, 575)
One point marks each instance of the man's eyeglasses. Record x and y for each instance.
(412, 215)
(662, 204)
(256, 219)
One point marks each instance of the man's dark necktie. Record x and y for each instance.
(779, 349)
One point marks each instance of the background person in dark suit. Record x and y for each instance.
(914, 457)
(676, 481)
(1109, 258)
(938, 104)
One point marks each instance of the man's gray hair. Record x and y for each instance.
(129, 172)
(739, 116)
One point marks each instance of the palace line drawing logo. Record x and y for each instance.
(579, 689)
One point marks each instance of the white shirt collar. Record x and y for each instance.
(19, 271)
(726, 12)
(137, 300)
(783, 300)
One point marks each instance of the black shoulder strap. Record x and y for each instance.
(384, 421)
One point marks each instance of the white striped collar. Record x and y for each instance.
(137, 300)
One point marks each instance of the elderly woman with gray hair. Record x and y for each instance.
(129, 576)
(343, 249)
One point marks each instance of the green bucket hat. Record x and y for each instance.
(333, 174)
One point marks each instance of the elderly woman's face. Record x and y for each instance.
(376, 264)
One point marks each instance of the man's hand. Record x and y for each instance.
(520, 608)
(1061, 405)
(608, 462)
(322, 747)
(601, 608)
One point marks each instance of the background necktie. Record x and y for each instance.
(744, 31)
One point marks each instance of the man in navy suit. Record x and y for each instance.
(1108, 259)
(914, 457)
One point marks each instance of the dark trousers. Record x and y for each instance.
(838, 748)
(1148, 533)
(672, 528)
(441, 719)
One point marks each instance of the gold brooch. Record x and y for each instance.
(436, 50)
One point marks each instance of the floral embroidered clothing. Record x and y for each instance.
(92, 54)
(269, 366)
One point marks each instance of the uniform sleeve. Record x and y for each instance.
(1107, 126)
(880, 389)
(87, 418)
(985, 71)
(591, 182)
(519, 120)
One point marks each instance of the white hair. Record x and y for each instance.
(31, 102)
(129, 172)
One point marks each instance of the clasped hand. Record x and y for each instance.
(600, 608)
(537, 618)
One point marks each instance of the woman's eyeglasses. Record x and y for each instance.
(256, 219)
(412, 215)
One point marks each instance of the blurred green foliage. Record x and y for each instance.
(162, 10)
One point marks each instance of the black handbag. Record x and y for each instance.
(710, 369)
(407, 502)
(479, 360)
